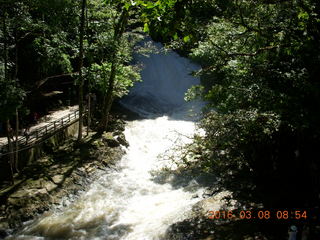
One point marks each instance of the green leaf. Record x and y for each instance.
(186, 38)
(303, 15)
(146, 27)
(142, 3)
(150, 5)
(127, 5)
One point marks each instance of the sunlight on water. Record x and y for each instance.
(130, 203)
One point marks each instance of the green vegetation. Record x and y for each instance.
(260, 78)
(46, 41)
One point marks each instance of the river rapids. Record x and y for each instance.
(133, 201)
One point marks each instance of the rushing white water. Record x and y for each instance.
(134, 203)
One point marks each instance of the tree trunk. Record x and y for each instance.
(8, 127)
(16, 160)
(89, 112)
(81, 108)
(108, 99)
(17, 113)
(10, 149)
(5, 47)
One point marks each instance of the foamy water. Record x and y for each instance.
(130, 203)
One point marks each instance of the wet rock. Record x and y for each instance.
(3, 225)
(49, 186)
(105, 161)
(97, 143)
(3, 233)
(20, 194)
(117, 133)
(58, 179)
(35, 183)
(24, 203)
(107, 136)
(81, 172)
(37, 192)
(122, 140)
(90, 168)
(117, 125)
(113, 143)
(110, 140)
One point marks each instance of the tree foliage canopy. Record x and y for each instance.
(260, 78)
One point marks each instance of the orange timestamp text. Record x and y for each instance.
(261, 214)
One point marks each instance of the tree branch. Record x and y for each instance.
(254, 53)
(43, 81)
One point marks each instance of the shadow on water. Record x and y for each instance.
(135, 107)
(188, 180)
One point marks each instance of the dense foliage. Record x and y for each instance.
(260, 78)
(40, 46)
(54, 53)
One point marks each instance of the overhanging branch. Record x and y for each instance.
(43, 81)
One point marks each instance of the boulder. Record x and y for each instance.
(122, 140)
(58, 179)
(108, 138)
(98, 143)
(116, 125)
(20, 194)
(49, 186)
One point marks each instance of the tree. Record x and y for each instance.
(259, 78)
(81, 108)
(109, 53)
(11, 95)
(108, 98)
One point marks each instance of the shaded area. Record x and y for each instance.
(66, 169)
(251, 229)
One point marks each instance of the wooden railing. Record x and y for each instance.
(44, 132)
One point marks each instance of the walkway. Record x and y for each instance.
(50, 124)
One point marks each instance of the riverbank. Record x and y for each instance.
(66, 170)
(222, 215)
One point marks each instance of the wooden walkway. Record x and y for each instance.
(42, 133)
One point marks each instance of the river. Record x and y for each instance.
(134, 201)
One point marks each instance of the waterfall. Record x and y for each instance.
(136, 203)
(166, 78)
